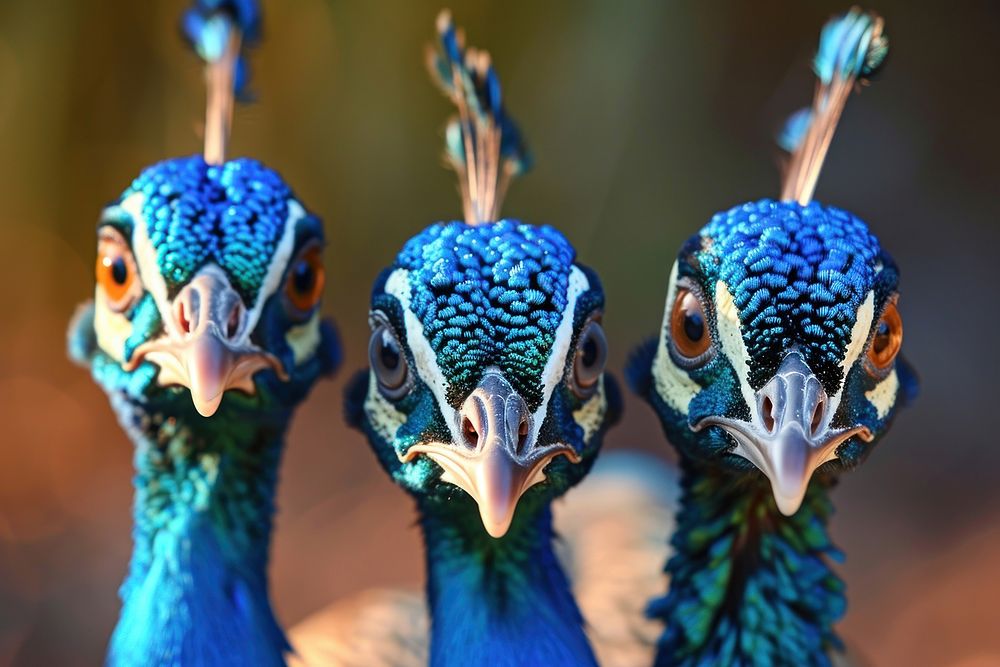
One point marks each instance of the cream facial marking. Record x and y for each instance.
(730, 332)
(304, 338)
(590, 415)
(883, 395)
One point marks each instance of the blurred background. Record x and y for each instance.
(645, 118)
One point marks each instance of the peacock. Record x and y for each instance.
(777, 367)
(486, 396)
(205, 332)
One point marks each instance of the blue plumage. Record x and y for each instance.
(494, 600)
(196, 592)
(231, 214)
(777, 367)
(798, 275)
(486, 398)
(850, 46)
(478, 90)
(489, 295)
(205, 333)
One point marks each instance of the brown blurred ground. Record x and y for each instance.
(645, 118)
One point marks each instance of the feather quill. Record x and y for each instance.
(852, 47)
(482, 143)
(220, 31)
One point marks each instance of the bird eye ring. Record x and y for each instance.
(690, 338)
(115, 270)
(387, 361)
(886, 341)
(306, 276)
(589, 360)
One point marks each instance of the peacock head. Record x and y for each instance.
(486, 367)
(208, 284)
(780, 345)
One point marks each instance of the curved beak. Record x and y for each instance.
(499, 458)
(206, 347)
(790, 435)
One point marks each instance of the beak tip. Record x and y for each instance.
(497, 520)
(207, 407)
(787, 506)
(788, 502)
(496, 531)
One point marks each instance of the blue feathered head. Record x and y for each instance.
(779, 346)
(486, 367)
(781, 332)
(209, 280)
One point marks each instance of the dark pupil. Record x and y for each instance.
(694, 326)
(303, 277)
(388, 353)
(881, 337)
(119, 270)
(588, 354)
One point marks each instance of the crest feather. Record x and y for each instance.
(482, 143)
(851, 49)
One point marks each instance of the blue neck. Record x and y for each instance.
(498, 602)
(749, 585)
(196, 592)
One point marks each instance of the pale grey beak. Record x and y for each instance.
(499, 458)
(206, 347)
(790, 435)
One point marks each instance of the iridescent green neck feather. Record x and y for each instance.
(749, 585)
(196, 591)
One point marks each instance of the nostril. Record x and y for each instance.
(817, 419)
(470, 433)
(233, 324)
(182, 319)
(522, 435)
(767, 413)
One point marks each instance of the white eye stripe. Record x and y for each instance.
(855, 346)
(279, 262)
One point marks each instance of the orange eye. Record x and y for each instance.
(115, 269)
(887, 340)
(688, 326)
(305, 280)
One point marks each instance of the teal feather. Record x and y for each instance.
(850, 46)
(794, 130)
